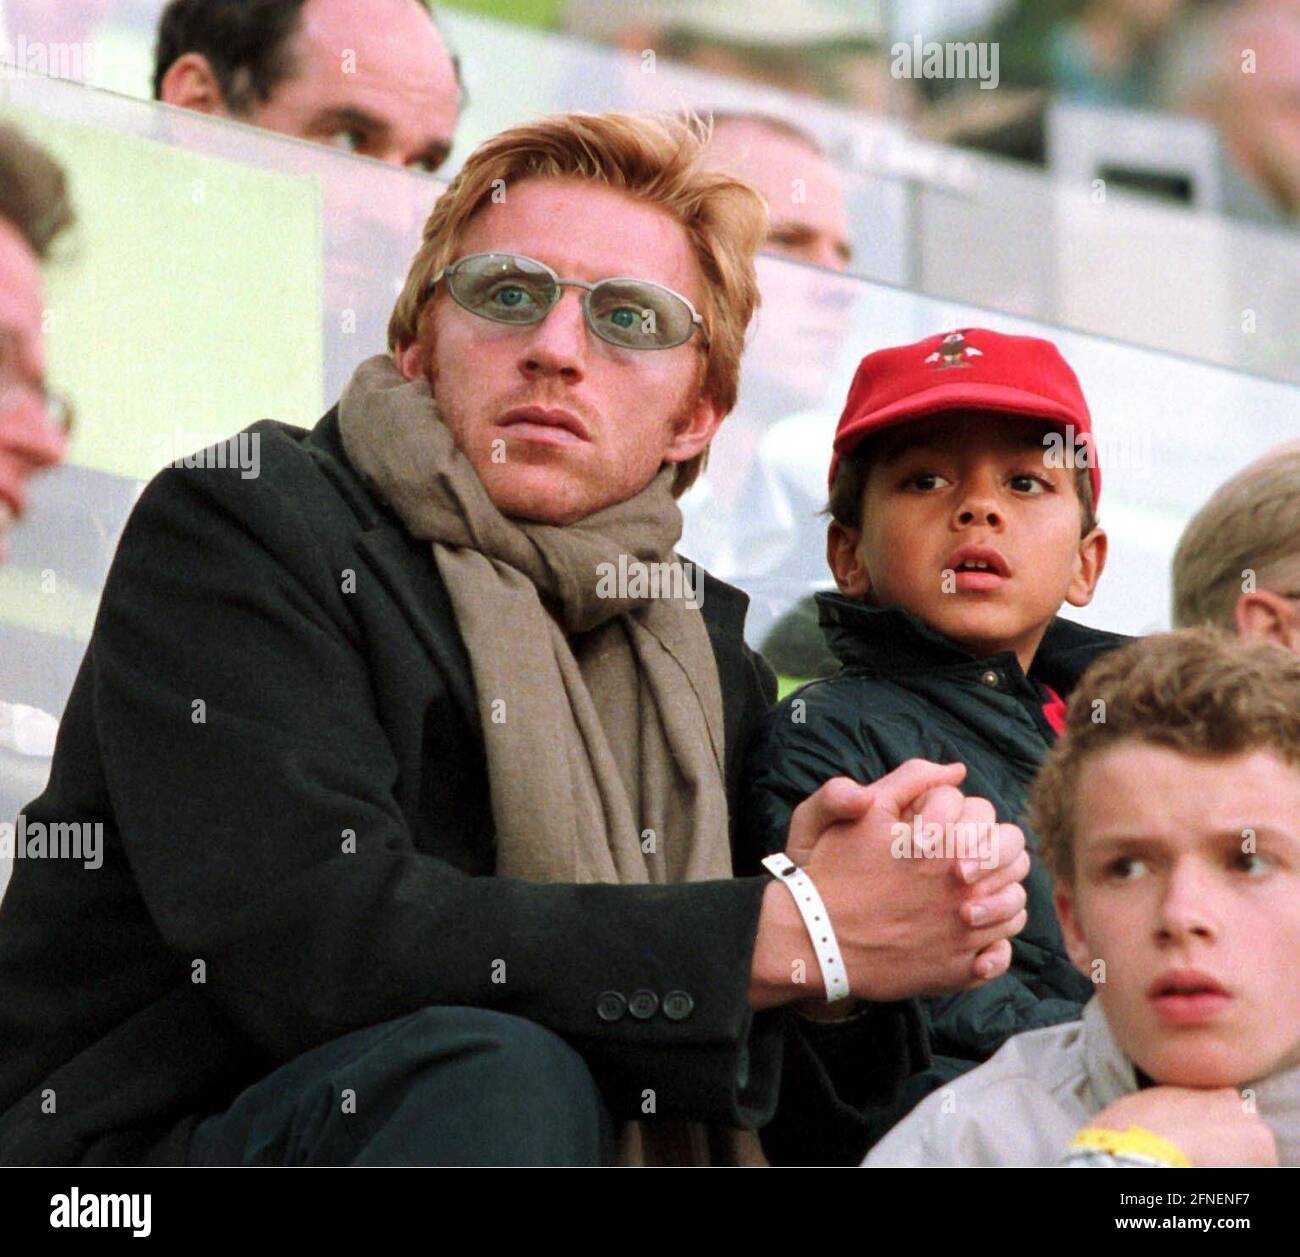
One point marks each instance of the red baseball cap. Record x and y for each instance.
(970, 369)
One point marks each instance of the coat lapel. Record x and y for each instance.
(404, 567)
(407, 571)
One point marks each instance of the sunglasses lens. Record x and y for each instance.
(503, 288)
(631, 313)
(638, 315)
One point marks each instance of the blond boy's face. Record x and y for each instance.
(969, 528)
(1187, 887)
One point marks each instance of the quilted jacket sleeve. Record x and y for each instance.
(841, 1085)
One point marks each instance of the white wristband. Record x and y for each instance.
(816, 920)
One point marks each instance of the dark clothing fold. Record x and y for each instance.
(275, 724)
(905, 691)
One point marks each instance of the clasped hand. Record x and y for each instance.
(922, 883)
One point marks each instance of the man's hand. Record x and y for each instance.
(1210, 1127)
(906, 926)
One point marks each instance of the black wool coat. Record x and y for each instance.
(275, 724)
(906, 692)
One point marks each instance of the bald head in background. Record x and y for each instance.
(803, 190)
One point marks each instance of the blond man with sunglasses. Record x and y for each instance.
(412, 753)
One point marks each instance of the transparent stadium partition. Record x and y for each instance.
(953, 225)
(935, 219)
(1170, 430)
(217, 277)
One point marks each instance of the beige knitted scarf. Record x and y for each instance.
(600, 704)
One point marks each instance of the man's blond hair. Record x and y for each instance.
(655, 157)
(1199, 691)
(1250, 526)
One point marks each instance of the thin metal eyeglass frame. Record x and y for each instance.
(60, 413)
(696, 319)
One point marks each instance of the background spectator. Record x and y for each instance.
(1237, 565)
(372, 76)
(751, 518)
(814, 47)
(1238, 67)
(803, 191)
(34, 208)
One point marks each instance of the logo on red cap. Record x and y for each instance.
(953, 352)
(972, 369)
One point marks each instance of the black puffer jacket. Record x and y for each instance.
(906, 691)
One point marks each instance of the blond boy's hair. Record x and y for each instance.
(1250, 525)
(1198, 691)
(655, 157)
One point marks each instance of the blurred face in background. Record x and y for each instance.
(366, 76)
(1258, 114)
(801, 326)
(28, 440)
(802, 190)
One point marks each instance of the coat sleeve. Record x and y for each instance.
(841, 1084)
(801, 744)
(252, 784)
(799, 748)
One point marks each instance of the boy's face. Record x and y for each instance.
(1187, 886)
(956, 491)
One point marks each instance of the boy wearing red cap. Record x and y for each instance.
(963, 491)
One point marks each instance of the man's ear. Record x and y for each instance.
(191, 83)
(1088, 565)
(694, 432)
(1268, 617)
(844, 558)
(1076, 946)
(410, 360)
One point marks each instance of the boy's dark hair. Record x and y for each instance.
(246, 42)
(33, 191)
(844, 505)
(1198, 691)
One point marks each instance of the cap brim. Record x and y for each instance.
(955, 395)
(952, 395)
